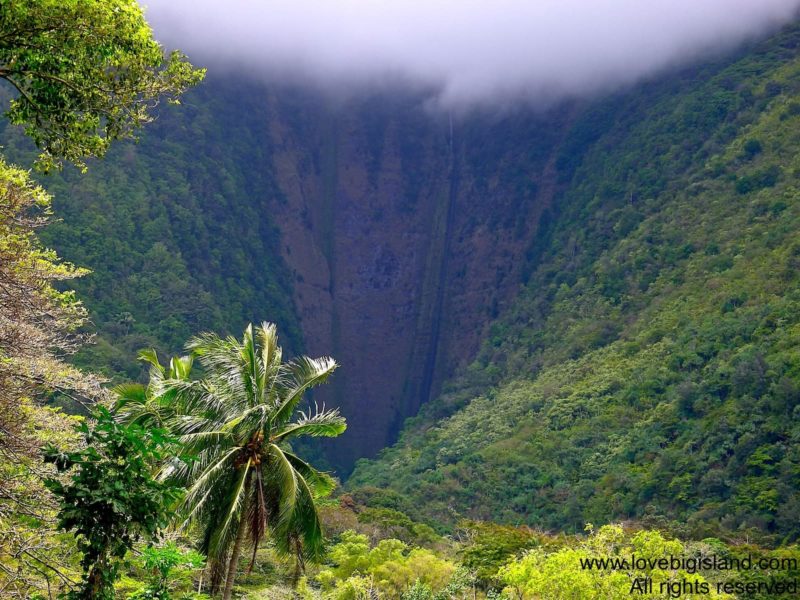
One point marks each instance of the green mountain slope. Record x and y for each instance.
(362, 228)
(650, 369)
(646, 367)
(176, 229)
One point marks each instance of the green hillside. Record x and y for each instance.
(650, 368)
(176, 230)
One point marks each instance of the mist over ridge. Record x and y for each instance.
(467, 52)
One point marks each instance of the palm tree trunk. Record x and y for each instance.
(216, 576)
(237, 545)
(299, 566)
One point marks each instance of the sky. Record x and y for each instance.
(463, 52)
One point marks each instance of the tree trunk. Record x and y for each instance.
(216, 576)
(237, 545)
(95, 584)
(299, 563)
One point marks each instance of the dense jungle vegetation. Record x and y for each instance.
(640, 397)
(649, 368)
(149, 229)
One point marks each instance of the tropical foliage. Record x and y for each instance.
(561, 574)
(33, 315)
(587, 565)
(38, 329)
(167, 568)
(86, 73)
(82, 74)
(234, 427)
(390, 568)
(111, 499)
(648, 370)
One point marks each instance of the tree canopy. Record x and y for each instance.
(111, 500)
(86, 73)
(37, 322)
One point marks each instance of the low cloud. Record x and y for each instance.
(466, 51)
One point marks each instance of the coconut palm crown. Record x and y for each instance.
(234, 425)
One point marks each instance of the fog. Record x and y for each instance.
(465, 52)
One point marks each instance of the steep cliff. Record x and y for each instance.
(403, 230)
(382, 233)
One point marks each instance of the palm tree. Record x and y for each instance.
(154, 404)
(242, 480)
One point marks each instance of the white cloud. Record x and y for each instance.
(469, 51)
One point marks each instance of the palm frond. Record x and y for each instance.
(180, 367)
(250, 370)
(196, 398)
(271, 355)
(129, 393)
(323, 423)
(304, 373)
(199, 485)
(305, 524)
(321, 484)
(244, 424)
(267, 334)
(206, 438)
(309, 525)
(224, 364)
(184, 425)
(226, 528)
(135, 405)
(150, 356)
(283, 480)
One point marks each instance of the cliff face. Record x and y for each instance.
(373, 230)
(406, 233)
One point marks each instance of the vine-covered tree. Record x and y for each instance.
(83, 73)
(37, 329)
(34, 316)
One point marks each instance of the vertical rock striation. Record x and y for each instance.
(406, 233)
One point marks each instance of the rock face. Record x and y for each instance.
(401, 233)
(406, 232)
